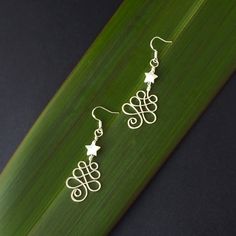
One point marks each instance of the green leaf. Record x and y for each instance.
(34, 199)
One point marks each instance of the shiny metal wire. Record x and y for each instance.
(142, 106)
(85, 177)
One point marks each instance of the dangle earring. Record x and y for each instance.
(142, 106)
(86, 176)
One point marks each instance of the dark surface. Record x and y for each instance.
(193, 194)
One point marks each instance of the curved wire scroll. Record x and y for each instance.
(84, 179)
(142, 108)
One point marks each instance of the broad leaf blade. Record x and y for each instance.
(34, 199)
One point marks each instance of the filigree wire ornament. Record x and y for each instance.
(142, 106)
(85, 177)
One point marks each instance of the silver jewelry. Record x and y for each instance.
(85, 177)
(142, 106)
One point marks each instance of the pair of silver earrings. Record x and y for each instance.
(141, 108)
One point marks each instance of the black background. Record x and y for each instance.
(195, 191)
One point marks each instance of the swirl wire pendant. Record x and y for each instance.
(142, 108)
(84, 179)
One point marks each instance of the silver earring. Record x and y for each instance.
(85, 177)
(142, 106)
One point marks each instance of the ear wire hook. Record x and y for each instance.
(105, 109)
(151, 44)
(99, 131)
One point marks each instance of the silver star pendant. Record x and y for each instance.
(150, 77)
(92, 149)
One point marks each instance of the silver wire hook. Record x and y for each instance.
(105, 109)
(157, 37)
(151, 44)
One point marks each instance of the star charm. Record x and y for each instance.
(92, 149)
(150, 77)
